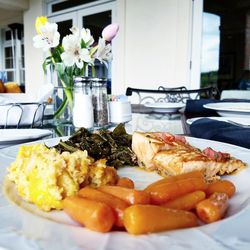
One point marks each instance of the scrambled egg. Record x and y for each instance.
(45, 177)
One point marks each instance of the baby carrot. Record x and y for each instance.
(125, 182)
(117, 204)
(193, 174)
(213, 208)
(187, 201)
(95, 215)
(131, 196)
(221, 186)
(171, 190)
(141, 219)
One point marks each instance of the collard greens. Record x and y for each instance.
(114, 146)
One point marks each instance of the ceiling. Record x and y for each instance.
(11, 11)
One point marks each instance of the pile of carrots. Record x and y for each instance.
(174, 202)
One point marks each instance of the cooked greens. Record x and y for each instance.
(115, 146)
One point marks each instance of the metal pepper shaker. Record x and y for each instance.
(99, 99)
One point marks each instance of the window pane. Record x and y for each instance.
(9, 63)
(97, 22)
(8, 35)
(22, 77)
(22, 56)
(8, 52)
(69, 4)
(63, 28)
(210, 49)
(10, 76)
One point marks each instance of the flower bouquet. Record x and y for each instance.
(73, 57)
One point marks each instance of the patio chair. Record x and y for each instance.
(162, 94)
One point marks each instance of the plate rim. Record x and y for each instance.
(214, 106)
(218, 118)
(155, 106)
(192, 141)
(39, 134)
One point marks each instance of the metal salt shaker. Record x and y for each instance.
(83, 115)
(100, 104)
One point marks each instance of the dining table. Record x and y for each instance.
(23, 228)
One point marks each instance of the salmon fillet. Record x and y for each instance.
(172, 155)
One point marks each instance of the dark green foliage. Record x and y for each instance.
(115, 146)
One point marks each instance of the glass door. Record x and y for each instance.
(65, 22)
(210, 50)
(95, 19)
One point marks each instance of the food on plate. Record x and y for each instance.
(213, 208)
(95, 215)
(165, 192)
(12, 87)
(221, 186)
(142, 219)
(117, 204)
(170, 179)
(187, 201)
(44, 177)
(181, 211)
(125, 182)
(114, 146)
(172, 155)
(131, 196)
(76, 176)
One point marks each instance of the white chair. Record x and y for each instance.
(235, 94)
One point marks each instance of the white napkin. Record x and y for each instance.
(15, 108)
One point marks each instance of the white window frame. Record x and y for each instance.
(17, 67)
(87, 5)
(1, 50)
(65, 17)
(95, 10)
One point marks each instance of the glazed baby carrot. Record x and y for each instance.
(171, 190)
(213, 208)
(125, 182)
(141, 219)
(221, 186)
(131, 196)
(117, 204)
(193, 174)
(95, 215)
(187, 201)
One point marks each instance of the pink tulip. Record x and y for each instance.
(110, 31)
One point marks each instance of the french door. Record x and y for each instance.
(94, 18)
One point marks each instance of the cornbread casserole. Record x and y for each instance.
(44, 176)
(172, 155)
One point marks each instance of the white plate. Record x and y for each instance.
(165, 107)
(17, 136)
(243, 121)
(55, 230)
(236, 109)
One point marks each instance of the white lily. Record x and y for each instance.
(75, 30)
(86, 37)
(48, 38)
(73, 53)
(103, 53)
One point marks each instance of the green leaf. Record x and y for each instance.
(83, 44)
(61, 108)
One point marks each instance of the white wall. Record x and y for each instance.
(154, 44)
(34, 76)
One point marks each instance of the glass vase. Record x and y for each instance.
(63, 93)
(62, 105)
